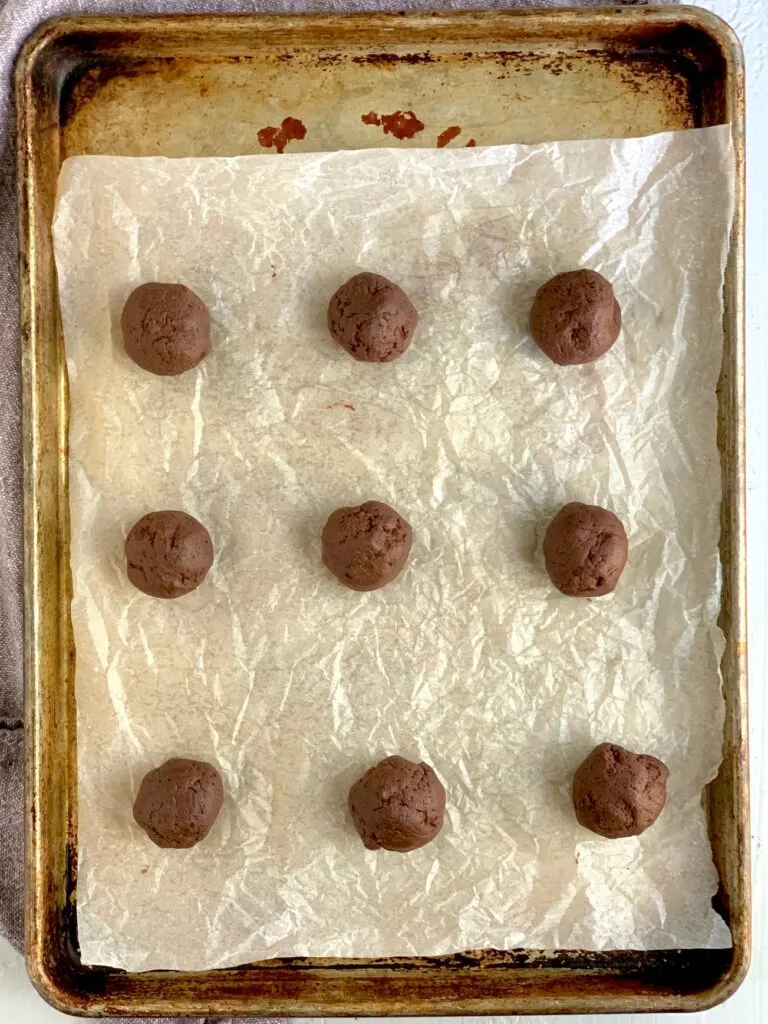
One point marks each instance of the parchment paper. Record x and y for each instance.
(294, 685)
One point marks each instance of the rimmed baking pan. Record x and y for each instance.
(208, 86)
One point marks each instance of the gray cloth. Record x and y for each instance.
(17, 19)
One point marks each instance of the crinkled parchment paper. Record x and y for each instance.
(294, 685)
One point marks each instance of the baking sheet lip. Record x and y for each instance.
(25, 210)
(54, 29)
(43, 977)
(67, 1000)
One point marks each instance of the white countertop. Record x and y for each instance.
(19, 1004)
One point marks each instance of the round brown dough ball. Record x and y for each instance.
(372, 318)
(168, 554)
(585, 550)
(366, 546)
(166, 328)
(575, 317)
(397, 805)
(179, 802)
(617, 793)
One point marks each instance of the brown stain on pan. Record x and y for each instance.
(291, 129)
(448, 135)
(403, 124)
(390, 60)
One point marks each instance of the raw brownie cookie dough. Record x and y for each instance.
(397, 805)
(168, 554)
(179, 802)
(585, 550)
(575, 317)
(365, 546)
(617, 793)
(372, 318)
(166, 328)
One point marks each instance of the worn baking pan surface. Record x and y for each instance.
(217, 86)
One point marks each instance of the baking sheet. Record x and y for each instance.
(294, 685)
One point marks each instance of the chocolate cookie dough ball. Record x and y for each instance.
(397, 805)
(166, 328)
(365, 546)
(372, 318)
(575, 317)
(585, 550)
(179, 802)
(617, 793)
(168, 554)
